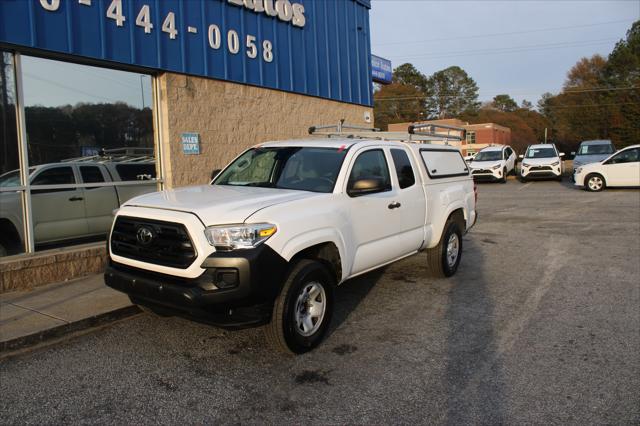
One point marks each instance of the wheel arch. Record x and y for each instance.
(10, 236)
(459, 214)
(326, 253)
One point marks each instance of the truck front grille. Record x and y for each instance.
(152, 241)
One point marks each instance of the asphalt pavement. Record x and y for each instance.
(541, 325)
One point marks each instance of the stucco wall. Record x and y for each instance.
(231, 117)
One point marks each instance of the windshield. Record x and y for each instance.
(596, 149)
(488, 156)
(541, 153)
(304, 169)
(12, 178)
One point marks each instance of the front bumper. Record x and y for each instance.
(484, 175)
(236, 290)
(541, 172)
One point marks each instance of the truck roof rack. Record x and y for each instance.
(434, 133)
(116, 155)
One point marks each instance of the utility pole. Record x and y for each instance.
(545, 135)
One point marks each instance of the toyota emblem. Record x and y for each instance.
(145, 235)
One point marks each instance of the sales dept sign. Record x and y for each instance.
(190, 143)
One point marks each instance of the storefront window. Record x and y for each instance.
(90, 147)
(11, 211)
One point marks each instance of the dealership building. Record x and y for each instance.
(104, 99)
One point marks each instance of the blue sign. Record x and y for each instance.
(190, 143)
(382, 71)
(317, 48)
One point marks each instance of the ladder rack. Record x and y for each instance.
(434, 133)
(116, 155)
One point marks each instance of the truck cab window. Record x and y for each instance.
(404, 170)
(91, 174)
(371, 165)
(54, 176)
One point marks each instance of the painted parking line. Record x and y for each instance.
(523, 187)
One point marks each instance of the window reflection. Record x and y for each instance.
(85, 125)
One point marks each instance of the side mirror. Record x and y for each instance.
(521, 156)
(365, 186)
(215, 173)
(562, 154)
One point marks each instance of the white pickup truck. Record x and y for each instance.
(285, 223)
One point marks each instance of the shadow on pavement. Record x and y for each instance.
(474, 378)
(350, 294)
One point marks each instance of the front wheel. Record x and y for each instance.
(594, 183)
(302, 313)
(444, 258)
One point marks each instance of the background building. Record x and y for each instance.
(160, 93)
(478, 135)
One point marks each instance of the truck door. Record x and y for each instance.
(410, 196)
(374, 219)
(99, 201)
(58, 214)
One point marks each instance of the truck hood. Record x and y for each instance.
(587, 159)
(484, 164)
(218, 204)
(540, 161)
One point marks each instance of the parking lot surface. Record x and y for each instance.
(540, 325)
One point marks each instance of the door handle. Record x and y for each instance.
(395, 205)
(76, 199)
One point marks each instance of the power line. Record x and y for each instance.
(546, 107)
(600, 89)
(502, 34)
(503, 50)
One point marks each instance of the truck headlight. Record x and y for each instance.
(241, 236)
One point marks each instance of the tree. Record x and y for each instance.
(409, 75)
(451, 92)
(526, 105)
(397, 103)
(504, 103)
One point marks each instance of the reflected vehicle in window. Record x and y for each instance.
(63, 212)
(622, 169)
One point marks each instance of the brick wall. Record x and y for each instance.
(231, 117)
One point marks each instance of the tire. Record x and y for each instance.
(594, 182)
(504, 176)
(438, 258)
(308, 286)
(522, 179)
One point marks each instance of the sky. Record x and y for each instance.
(521, 48)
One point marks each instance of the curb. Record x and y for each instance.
(56, 332)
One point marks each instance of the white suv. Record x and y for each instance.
(493, 163)
(541, 161)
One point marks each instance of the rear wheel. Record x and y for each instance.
(594, 183)
(302, 313)
(443, 259)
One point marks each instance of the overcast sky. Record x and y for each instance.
(522, 48)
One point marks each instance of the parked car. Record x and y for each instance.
(493, 163)
(619, 169)
(469, 157)
(592, 152)
(285, 223)
(70, 213)
(541, 161)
